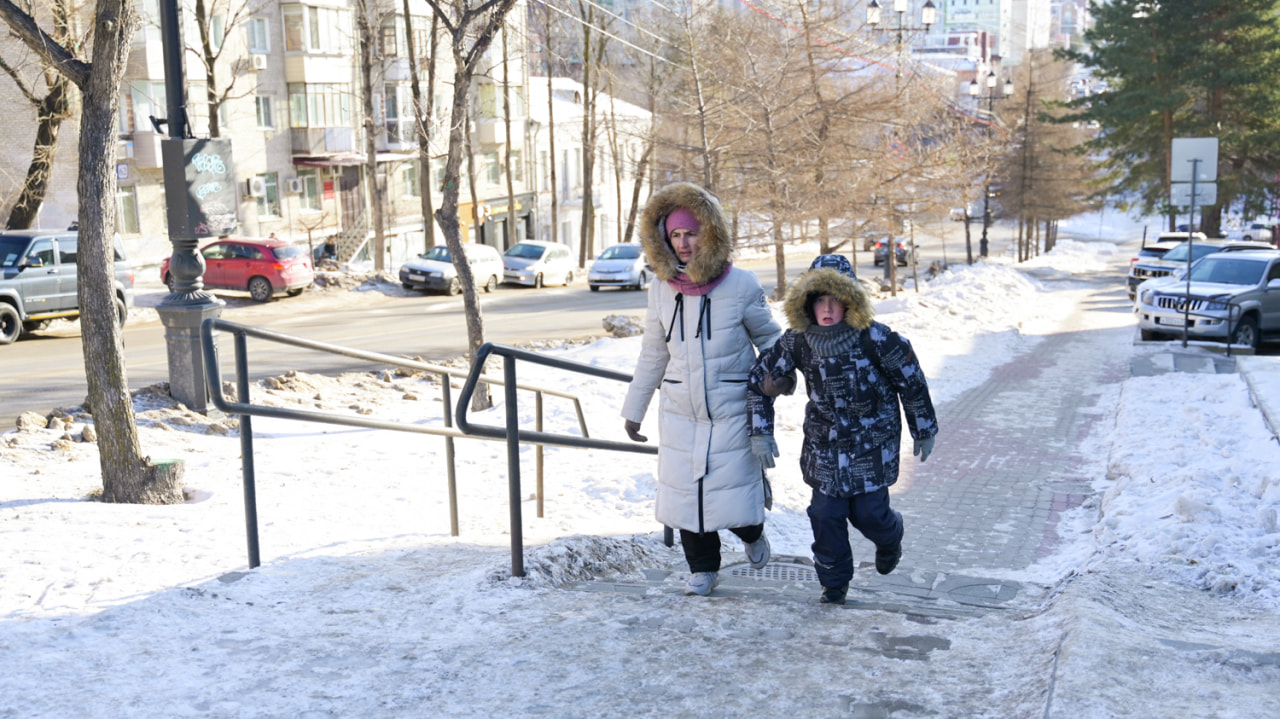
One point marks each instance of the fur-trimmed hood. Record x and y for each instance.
(715, 243)
(829, 275)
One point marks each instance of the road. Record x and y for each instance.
(45, 371)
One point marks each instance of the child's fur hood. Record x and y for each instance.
(858, 312)
(715, 243)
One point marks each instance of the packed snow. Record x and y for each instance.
(1161, 600)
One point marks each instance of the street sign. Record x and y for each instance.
(1206, 194)
(200, 187)
(1187, 149)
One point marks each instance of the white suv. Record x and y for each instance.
(1231, 296)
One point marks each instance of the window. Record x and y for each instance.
(437, 172)
(319, 105)
(410, 178)
(41, 250)
(127, 210)
(316, 30)
(398, 106)
(491, 101)
(259, 39)
(263, 103)
(147, 99)
(269, 203)
(492, 171)
(217, 31)
(67, 249)
(310, 196)
(391, 31)
(517, 166)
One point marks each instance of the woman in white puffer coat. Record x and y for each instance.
(705, 321)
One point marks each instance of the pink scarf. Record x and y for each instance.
(682, 284)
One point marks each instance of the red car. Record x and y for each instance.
(263, 267)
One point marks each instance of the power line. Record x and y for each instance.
(614, 37)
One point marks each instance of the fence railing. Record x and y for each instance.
(247, 410)
(513, 435)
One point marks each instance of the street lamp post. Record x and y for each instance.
(928, 16)
(991, 97)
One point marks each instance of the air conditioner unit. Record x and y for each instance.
(259, 62)
(257, 186)
(294, 185)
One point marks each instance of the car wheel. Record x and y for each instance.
(642, 284)
(1246, 332)
(407, 286)
(537, 281)
(1247, 238)
(260, 289)
(1151, 336)
(295, 292)
(454, 287)
(10, 324)
(169, 281)
(594, 288)
(122, 311)
(492, 284)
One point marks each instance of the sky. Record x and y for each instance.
(1161, 599)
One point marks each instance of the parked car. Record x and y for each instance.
(262, 266)
(1231, 295)
(905, 254)
(1253, 231)
(434, 270)
(535, 263)
(622, 266)
(1176, 258)
(38, 281)
(1163, 243)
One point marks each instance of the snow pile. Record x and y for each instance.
(1198, 502)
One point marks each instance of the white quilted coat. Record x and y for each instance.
(707, 477)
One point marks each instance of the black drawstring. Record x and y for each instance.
(677, 317)
(704, 311)
(678, 313)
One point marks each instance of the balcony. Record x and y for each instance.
(321, 140)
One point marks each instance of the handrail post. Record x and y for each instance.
(448, 457)
(246, 449)
(513, 464)
(537, 448)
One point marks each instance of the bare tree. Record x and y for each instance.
(212, 35)
(471, 31)
(127, 475)
(368, 18)
(424, 115)
(51, 108)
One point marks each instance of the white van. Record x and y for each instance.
(433, 270)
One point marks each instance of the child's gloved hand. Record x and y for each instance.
(923, 448)
(778, 386)
(764, 448)
(633, 431)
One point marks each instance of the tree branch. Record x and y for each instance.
(25, 27)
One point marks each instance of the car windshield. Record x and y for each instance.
(288, 252)
(439, 252)
(1179, 253)
(1227, 270)
(529, 252)
(621, 252)
(11, 250)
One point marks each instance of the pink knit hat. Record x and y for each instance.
(683, 219)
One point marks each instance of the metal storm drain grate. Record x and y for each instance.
(776, 571)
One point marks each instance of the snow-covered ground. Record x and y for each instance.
(1165, 593)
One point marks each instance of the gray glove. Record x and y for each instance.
(775, 387)
(764, 448)
(923, 448)
(633, 431)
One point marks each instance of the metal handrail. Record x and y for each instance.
(247, 410)
(513, 435)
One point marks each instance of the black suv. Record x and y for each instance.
(38, 280)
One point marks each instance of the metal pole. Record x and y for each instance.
(513, 465)
(448, 458)
(246, 451)
(537, 449)
(1191, 226)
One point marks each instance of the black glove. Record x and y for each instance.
(633, 431)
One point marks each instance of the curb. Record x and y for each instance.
(1257, 373)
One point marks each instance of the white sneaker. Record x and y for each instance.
(758, 552)
(701, 583)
